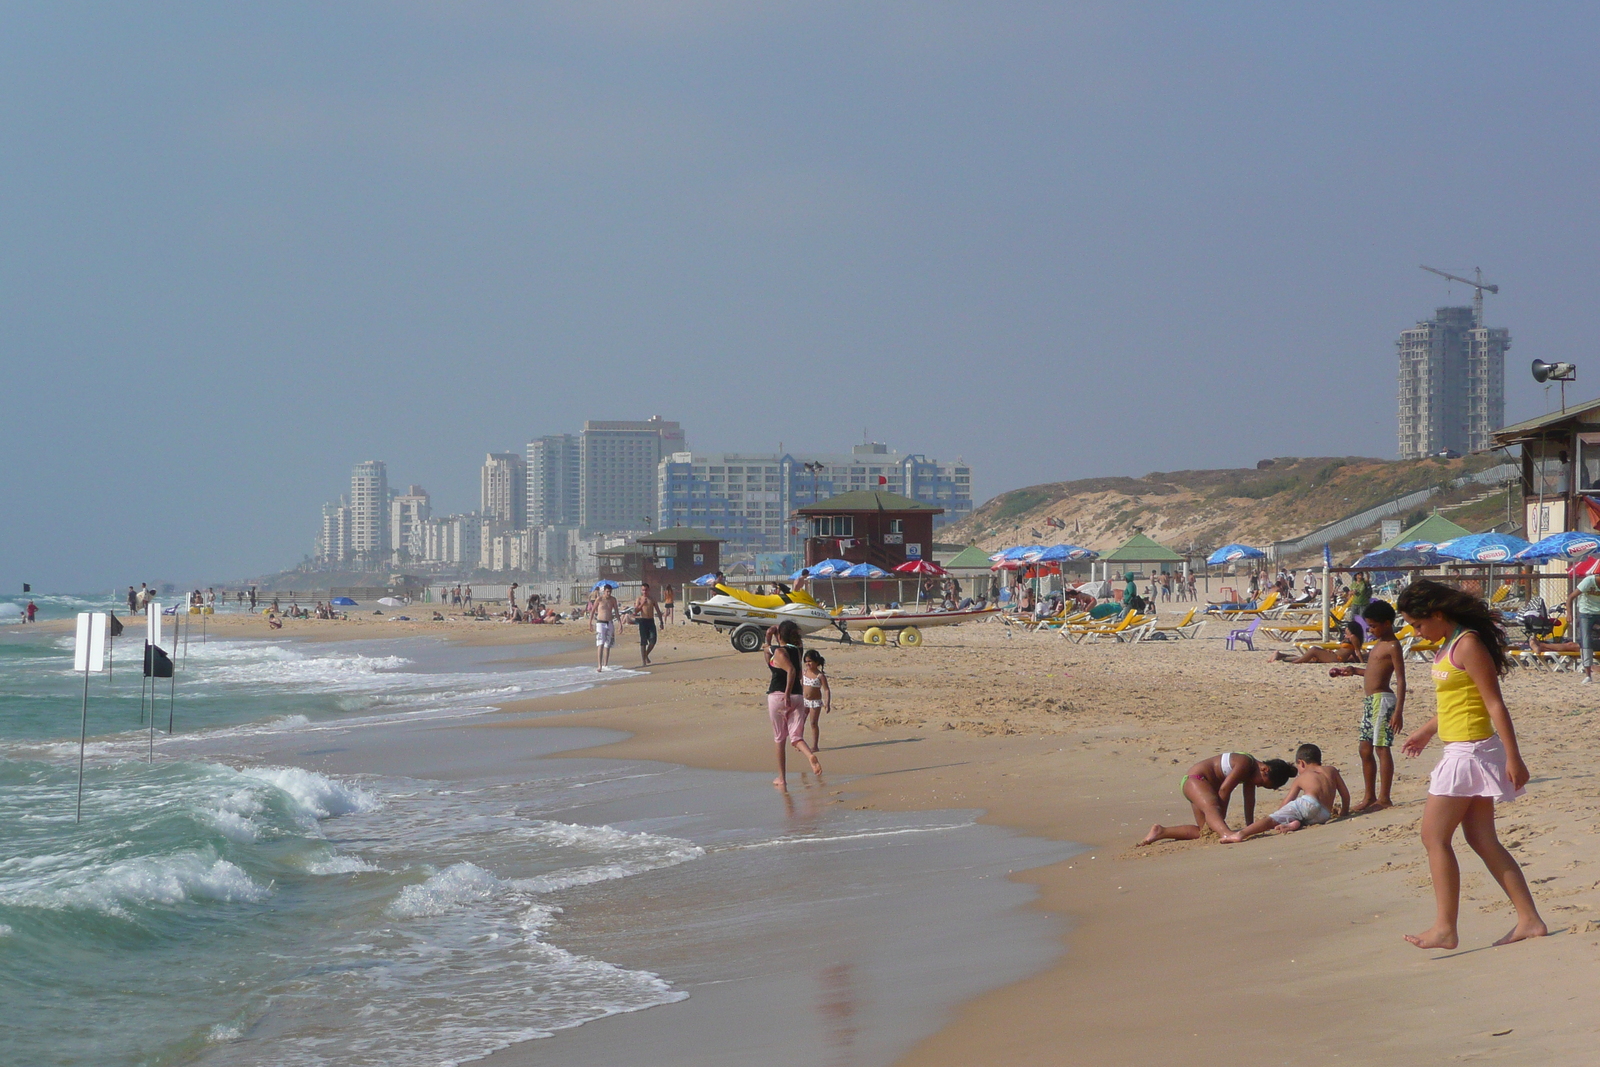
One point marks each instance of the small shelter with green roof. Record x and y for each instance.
(971, 558)
(1140, 549)
(1435, 529)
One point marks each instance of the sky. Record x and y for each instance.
(245, 246)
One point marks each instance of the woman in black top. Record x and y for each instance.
(785, 705)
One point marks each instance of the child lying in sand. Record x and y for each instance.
(1310, 800)
(1210, 784)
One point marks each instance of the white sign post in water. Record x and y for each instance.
(88, 655)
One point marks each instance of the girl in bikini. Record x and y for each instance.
(818, 697)
(1480, 763)
(1209, 786)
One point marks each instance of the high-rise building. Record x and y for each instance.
(553, 479)
(408, 514)
(453, 541)
(369, 513)
(1452, 384)
(503, 489)
(617, 472)
(333, 543)
(749, 499)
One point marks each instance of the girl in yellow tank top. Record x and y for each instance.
(1481, 762)
(1463, 715)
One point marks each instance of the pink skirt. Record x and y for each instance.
(788, 715)
(1473, 769)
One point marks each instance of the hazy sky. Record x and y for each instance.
(244, 246)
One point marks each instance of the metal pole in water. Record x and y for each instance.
(83, 738)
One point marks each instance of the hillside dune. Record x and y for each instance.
(1281, 499)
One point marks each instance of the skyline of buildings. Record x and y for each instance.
(569, 495)
(1452, 383)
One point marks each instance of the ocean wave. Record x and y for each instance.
(313, 797)
(339, 863)
(457, 884)
(168, 880)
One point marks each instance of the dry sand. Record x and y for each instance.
(1283, 950)
(1286, 949)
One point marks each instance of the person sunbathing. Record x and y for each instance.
(1349, 650)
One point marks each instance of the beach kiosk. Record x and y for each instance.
(870, 526)
(1140, 549)
(1560, 479)
(677, 555)
(674, 556)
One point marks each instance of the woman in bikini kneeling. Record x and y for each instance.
(1209, 786)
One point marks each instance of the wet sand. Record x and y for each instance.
(1287, 948)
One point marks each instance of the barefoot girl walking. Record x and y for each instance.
(1481, 763)
(784, 703)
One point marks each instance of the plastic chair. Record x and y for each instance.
(1245, 636)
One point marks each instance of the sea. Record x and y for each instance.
(298, 853)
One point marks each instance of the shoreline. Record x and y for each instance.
(1298, 936)
(1296, 931)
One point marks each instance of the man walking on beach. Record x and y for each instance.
(645, 613)
(605, 633)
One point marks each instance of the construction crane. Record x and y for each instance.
(1478, 289)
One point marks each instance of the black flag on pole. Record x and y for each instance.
(157, 664)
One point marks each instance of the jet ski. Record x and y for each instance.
(747, 615)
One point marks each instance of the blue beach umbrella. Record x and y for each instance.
(1061, 554)
(604, 583)
(1482, 548)
(343, 602)
(1570, 545)
(866, 572)
(1233, 554)
(830, 568)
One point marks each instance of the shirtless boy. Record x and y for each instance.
(1310, 798)
(1383, 708)
(605, 626)
(1210, 784)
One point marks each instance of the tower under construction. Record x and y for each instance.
(1452, 383)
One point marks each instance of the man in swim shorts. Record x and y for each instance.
(605, 626)
(1310, 800)
(645, 614)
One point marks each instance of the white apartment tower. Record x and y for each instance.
(408, 515)
(617, 472)
(553, 477)
(333, 543)
(1452, 383)
(369, 512)
(503, 489)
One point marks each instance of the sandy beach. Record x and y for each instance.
(1281, 947)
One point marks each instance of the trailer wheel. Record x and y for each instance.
(911, 636)
(747, 638)
(874, 636)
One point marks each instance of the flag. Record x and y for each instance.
(882, 480)
(158, 665)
